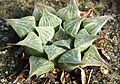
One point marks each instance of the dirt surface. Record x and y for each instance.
(13, 61)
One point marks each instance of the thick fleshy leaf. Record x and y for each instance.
(39, 66)
(23, 26)
(94, 25)
(38, 10)
(53, 51)
(33, 44)
(69, 12)
(49, 19)
(70, 60)
(45, 33)
(72, 27)
(60, 35)
(92, 58)
(83, 40)
(63, 43)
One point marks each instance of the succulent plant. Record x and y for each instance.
(69, 12)
(52, 43)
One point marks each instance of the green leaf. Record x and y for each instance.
(45, 33)
(70, 60)
(38, 10)
(83, 40)
(23, 26)
(69, 12)
(39, 65)
(63, 43)
(92, 58)
(60, 35)
(72, 26)
(49, 19)
(94, 25)
(33, 44)
(53, 51)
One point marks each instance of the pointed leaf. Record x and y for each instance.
(92, 58)
(53, 51)
(38, 10)
(39, 65)
(83, 40)
(70, 60)
(60, 35)
(32, 43)
(72, 26)
(71, 56)
(23, 26)
(94, 25)
(49, 19)
(63, 43)
(45, 33)
(69, 12)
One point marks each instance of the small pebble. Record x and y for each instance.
(2, 80)
(105, 71)
(10, 83)
(56, 82)
(0, 52)
(4, 52)
(6, 72)
(13, 62)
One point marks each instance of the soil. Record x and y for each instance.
(13, 61)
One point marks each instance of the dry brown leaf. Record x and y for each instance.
(103, 53)
(101, 41)
(85, 14)
(89, 76)
(21, 75)
(83, 76)
(62, 78)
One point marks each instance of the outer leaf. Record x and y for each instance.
(45, 33)
(63, 43)
(53, 51)
(72, 26)
(83, 40)
(60, 35)
(94, 25)
(69, 12)
(39, 65)
(70, 60)
(33, 44)
(23, 26)
(92, 58)
(49, 19)
(38, 10)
